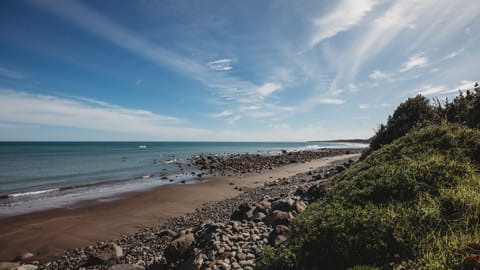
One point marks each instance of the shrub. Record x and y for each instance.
(416, 198)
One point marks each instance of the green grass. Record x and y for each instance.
(413, 203)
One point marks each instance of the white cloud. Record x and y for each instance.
(337, 92)
(332, 101)
(279, 125)
(268, 88)
(353, 87)
(221, 64)
(225, 113)
(12, 74)
(453, 54)
(415, 61)
(232, 120)
(346, 15)
(429, 90)
(374, 106)
(21, 107)
(377, 74)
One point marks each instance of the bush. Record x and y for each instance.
(416, 198)
(412, 113)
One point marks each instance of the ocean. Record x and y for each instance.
(36, 176)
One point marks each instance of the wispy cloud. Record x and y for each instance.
(429, 90)
(21, 107)
(332, 101)
(346, 15)
(373, 106)
(415, 61)
(11, 74)
(221, 64)
(230, 88)
(377, 75)
(268, 88)
(453, 54)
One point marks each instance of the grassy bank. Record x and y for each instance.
(412, 203)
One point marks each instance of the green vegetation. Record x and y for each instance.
(413, 203)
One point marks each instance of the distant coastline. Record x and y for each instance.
(363, 141)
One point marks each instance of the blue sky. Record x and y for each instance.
(226, 70)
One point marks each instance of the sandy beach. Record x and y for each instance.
(49, 233)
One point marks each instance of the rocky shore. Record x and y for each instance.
(238, 164)
(228, 234)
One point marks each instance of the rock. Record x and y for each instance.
(301, 191)
(278, 217)
(167, 232)
(8, 265)
(260, 216)
(300, 206)
(318, 191)
(244, 212)
(99, 257)
(278, 235)
(126, 267)
(282, 205)
(118, 250)
(27, 267)
(179, 248)
(340, 168)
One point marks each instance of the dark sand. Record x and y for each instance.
(49, 233)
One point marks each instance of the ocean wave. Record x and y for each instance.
(32, 193)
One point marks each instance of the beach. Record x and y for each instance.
(48, 234)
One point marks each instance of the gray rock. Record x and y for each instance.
(126, 267)
(179, 248)
(118, 250)
(27, 267)
(278, 217)
(282, 205)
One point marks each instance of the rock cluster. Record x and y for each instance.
(250, 163)
(225, 235)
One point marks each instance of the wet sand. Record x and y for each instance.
(49, 233)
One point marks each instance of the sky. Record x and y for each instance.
(177, 70)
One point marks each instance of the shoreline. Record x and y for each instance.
(49, 233)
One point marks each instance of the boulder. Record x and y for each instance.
(111, 252)
(278, 217)
(179, 248)
(244, 212)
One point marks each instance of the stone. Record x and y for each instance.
(282, 205)
(278, 217)
(300, 206)
(179, 248)
(126, 267)
(167, 233)
(118, 250)
(27, 267)
(99, 257)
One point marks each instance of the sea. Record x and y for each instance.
(36, 176)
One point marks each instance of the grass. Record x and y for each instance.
(413, 203)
